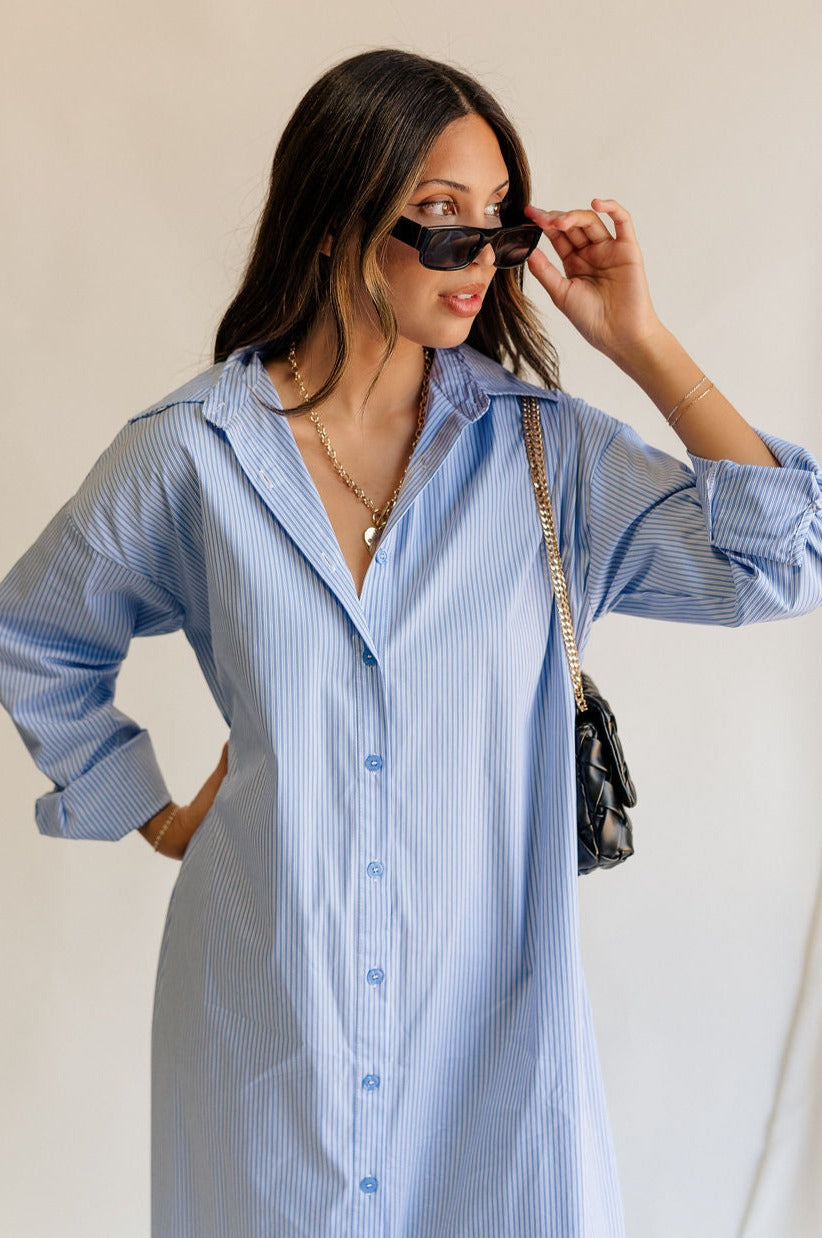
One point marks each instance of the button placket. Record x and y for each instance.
(373, 934)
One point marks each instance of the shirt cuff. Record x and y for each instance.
(759, 511)
(117, 794)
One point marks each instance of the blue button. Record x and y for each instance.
(381, 556)
(370, 1082)
(375, 975)
(368, 658)
(375, 868)
(369, 1185)
(372, 761)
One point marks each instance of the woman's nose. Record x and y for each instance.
(486, 256)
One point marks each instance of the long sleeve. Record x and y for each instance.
(717, 542)
(68, 612)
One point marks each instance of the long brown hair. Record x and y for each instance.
(347, 162)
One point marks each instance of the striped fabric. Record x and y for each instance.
(370, 1015)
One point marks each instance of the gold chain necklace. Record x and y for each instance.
(378, 517)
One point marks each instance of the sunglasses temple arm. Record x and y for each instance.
(406, 230)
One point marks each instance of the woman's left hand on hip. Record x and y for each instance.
(604, 292)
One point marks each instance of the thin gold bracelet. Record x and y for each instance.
(168, 822)
(702, 380)
(673, 423)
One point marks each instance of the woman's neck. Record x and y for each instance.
(397, 391)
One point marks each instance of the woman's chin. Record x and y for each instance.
(450, 335)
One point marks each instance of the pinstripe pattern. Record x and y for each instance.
(370, 1017)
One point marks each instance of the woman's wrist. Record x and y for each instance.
(705, 421)
(660, 366)
(157, 826)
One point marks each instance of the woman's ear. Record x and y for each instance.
(326, 245)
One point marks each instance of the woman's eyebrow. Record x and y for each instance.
(457, 185)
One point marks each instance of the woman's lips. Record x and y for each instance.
(464, 307)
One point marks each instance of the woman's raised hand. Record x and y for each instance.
(604, 292)
(188, 817)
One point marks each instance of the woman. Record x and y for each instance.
(370, 1016)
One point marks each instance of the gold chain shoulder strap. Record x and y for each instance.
(532, 431)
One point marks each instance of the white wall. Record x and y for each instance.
(138, 139)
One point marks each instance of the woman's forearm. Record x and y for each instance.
(711, 427)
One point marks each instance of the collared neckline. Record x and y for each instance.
(464, 379)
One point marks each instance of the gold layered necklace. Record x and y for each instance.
(378, 517)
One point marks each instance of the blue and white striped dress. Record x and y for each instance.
(370, 1014)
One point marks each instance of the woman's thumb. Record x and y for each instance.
(543, 269)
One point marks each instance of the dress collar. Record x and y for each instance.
(463, 377)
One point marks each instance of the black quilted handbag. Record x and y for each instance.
(604, 786)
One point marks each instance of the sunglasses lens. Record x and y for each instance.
(454, 248)
(512, 249)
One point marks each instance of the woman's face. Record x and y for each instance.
(464, 182)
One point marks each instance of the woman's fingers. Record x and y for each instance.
(560, 241)
(569, 230)
(623, 224)
(582, 228)
(552, 280)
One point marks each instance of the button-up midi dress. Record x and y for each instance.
(370, 1015)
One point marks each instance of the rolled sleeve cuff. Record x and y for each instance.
(756, 510)
(118, 794)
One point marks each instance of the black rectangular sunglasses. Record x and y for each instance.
(452, 248)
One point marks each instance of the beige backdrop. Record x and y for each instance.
(138, 139)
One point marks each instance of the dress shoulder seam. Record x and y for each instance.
(123, 567)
